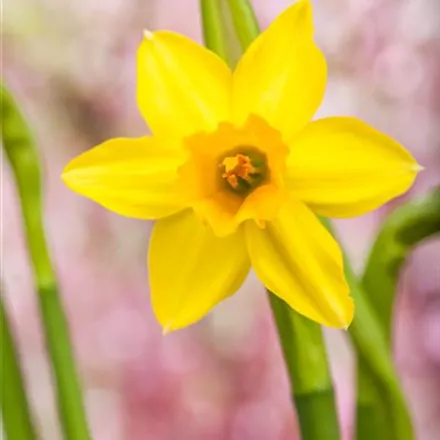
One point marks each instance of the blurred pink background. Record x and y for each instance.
(71, 64)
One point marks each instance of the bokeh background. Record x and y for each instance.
(72, 66)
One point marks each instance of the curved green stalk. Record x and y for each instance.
(405, 228)
(16, 415)
(23, 159)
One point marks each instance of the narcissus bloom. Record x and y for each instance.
(235, 172)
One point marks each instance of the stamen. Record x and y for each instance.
(238, 166)
(243, 169)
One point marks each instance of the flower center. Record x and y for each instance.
(243, 169)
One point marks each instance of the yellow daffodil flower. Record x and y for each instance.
(235, 173)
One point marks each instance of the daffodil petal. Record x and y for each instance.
(191, 269)
(299, 261)
(341, 167)
(282, 76)
(133, 177)
(182, 87)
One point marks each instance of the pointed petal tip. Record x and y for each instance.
(418, 168)
(305, 3)
(301, 10)
(64, 176)
(345, 325)
(167, 329)
(68, 174)
(304, 7)
(347, 317)
(148, 35)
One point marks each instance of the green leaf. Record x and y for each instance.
(21, 152)
(16, 415)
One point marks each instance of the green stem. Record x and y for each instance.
(306, 361)
(21, 152)
(404, 228)
(216, 29)
(371, 420)
(245, 22)
(16, 415)
(378, 369)
(377, 365)
(69, 393)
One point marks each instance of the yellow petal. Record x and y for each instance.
(133, 177)
(342, 167)
(299, 261)
(182, 87)
(191, 269)
(282, 75)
